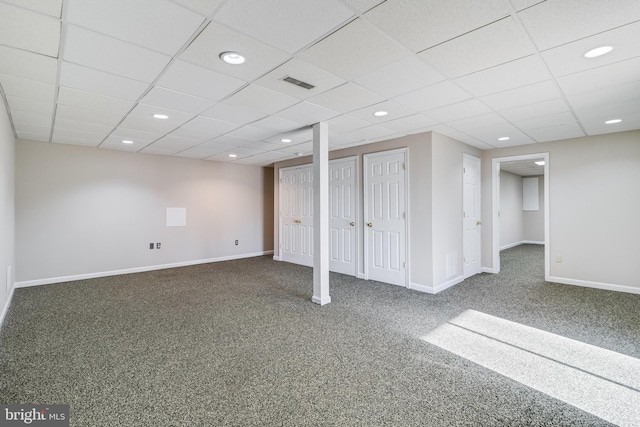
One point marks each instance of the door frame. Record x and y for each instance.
(495, 208)
(365, 200)
(479, 210)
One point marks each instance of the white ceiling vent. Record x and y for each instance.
(297, 82)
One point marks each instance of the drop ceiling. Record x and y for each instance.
(93, 72)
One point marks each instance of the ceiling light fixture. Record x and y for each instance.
(380, 113)
(504, 138)
(613, 121)
(233, 58)
(598, 51)
(233, 155)
(127, 141)
(160, 116)
(540, 163)
(285, 140)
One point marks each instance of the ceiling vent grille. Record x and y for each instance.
(298, 83)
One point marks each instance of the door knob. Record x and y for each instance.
(478, 222)
(352, 223)
(369, 224)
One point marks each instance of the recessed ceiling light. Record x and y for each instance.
(160, 116)
(285, 140)
(599, 51)
(613, 121)
(233, 155)
(380, 113)
(233, 58)
(504, 138)
(127, 141)
(540, 163)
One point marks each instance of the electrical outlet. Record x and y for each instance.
(150, 245)
(236, 243)
(157, 245)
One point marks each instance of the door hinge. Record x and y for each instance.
(404, 265)
(404, 166)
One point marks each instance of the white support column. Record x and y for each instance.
(321, 214)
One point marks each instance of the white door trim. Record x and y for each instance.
(495, 198)
(478, 210)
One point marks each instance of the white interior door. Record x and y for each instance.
(342, 216)
(385, 217)
(296, 215)
(471, 215)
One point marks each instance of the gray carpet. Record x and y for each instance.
(240, 343)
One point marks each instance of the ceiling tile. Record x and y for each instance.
(347, 97)
(86, 79)
(49, 7)
(215, 39)
(68, 136)
(251, 133)
(394, 110)
(232, 114)
(29, 30)
(371, 132)
(82, 125)
(519, 5)
(147, 111)
(194, 80)
(503, 77)
(471, 124)
(548, 25)
(525, 95)
(628, 111)
(400, 77)
(546, 120)
(569, 58)
(157, 128)
(178, 101)
(410, 123)
(486, 47)
(115, 143)
(556, 133)
(93, 101)
(433, 96)
(609, 95)
(306, 113)
(104, 53)
(296, 136)
(421, 24)
(531, 111)
(203, 128)
(29, 105)
(354, 50)
(611, 75)
(469, 140)
(83, 114)
(260, 99)
(461, 110)
(33, 129)
(25, 88)
(203, 7)
(276, 124)
(33, 136)
(173, 143)
(362, 6)
(346, 123)
(41, 120)
(303, 71)
(288, 25)
(28, 65)
(490, 135)
(137, 135)
(158, 25)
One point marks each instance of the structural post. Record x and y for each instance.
(321, 214)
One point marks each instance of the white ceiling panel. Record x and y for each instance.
(203, 128)
(33, 119)
(260, 99)
(155, 24)
(203, 7)
(361, 6)
(611, 75)
(33, 129)
(434, 96)
(307, 113)
(215, 39)
(194, 80)
(546, 120)
(609, 95)
(28, 30)
(86, 79)
(136, 135)
(107, 54)
(354, 51)
(83, 114)
(555, 106)
(303, 71)
(67, 136)
(471, 124)
(628, 111)
(421, 24)
(288, 25)
(276, 124)
(147, 112)
(522, 96)
(555, 133)
(410, 123)
(569, 58)
(490, 135)
(173, 142)
(25, 88)
(461, 110)
(33, 136)
(370, 132)
(469, 140)
(486, 47)
(400, 77)
(346, 123)
(519, 5)
(82, 125)
(346, 98)
(393, 109)
(231, 113)
(49, 7)
(93, 101)
(28, 65)
(157, 128)
(170, 99)
(17, 103)
(503, 77)
(555, 22)
(115, 143)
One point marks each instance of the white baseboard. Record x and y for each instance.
(522, 242)
(487, 270)
(596, 285)
(277, 258)
(5, 309)
(52, 280)
(438, 288)
(360, 276)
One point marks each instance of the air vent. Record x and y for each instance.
(298, 82)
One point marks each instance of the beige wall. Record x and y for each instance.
(511, 214)
(84, 211)
(533, 221)
(594, 203)
(7, 209)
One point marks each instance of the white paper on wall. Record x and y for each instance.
(176, 217)
(530, 194)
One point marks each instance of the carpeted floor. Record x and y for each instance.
(239, 343)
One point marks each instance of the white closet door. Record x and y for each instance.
(342, 216)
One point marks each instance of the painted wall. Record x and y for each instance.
(594, 203)
(7, 209)
(533, 221)
(86, 211)
(511, 214)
